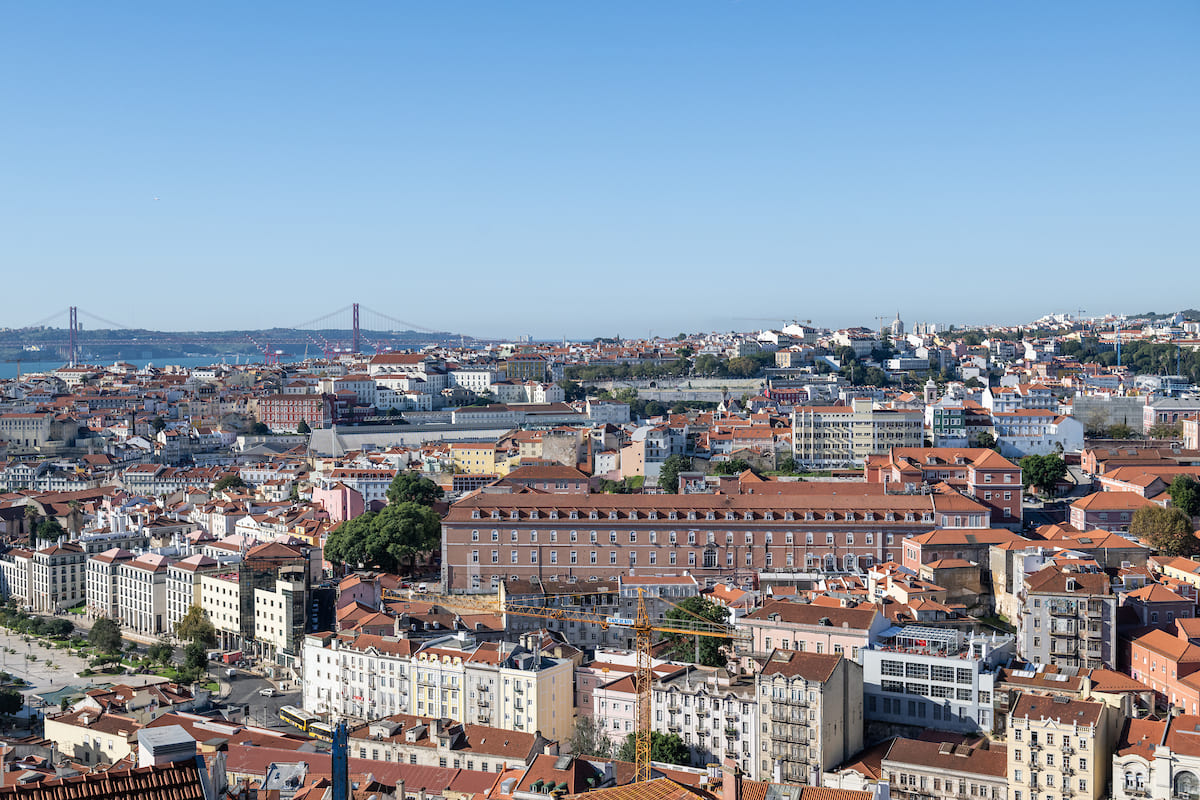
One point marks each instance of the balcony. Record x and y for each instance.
(482, 702)
(1061, 610)
(731, 733)
(519, 688)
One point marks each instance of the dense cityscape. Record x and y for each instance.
(907, 559)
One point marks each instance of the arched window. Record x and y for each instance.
(1187, 786)
(1135, 779)
(831, 563)
(849, 562)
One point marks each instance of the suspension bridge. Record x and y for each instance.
(354, 328)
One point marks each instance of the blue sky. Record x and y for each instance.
(584, 169)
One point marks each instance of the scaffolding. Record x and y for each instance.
(924, 640)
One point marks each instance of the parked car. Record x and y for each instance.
(423, 587)
(270, 691)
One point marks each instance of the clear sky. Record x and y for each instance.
(595, 168)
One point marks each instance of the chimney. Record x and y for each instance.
(421, 794)
(400, 789)
(1085, 687)
(731, 780)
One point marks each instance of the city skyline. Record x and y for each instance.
(626, 169)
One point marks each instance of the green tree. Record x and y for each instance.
(668, 475)
(50, 529)
(158, 425)
(698, 610)
(665, 748)
(1168, 530)
(572, 391)
(161, 651)
(260, 429)
(985, 439)
(197, 627)
(743, 367)
(386, 539)
(973, 383)
(230, 481)
(59, 628)
(303, 427)
(1042, 472)
(11, 701)
(1121, 431)
(105, 636)
(1185, 494)
(788, 465)
(1163, 430)
(32, 516)
(589, 739)
(195, 659)
(735, 466)
(409, 487)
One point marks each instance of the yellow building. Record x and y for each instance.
(474, 458)
(478, 458)
(91, 737)
(1060, 749)
(1183, 569)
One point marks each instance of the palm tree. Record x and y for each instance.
(75, 517)
(32, 516)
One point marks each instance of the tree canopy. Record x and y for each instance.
(668, 476)
(1167, 530)
(683, 647)
(590, 739)
(195, 660)
(788, 465)
(385, 539)
(161, 651)
(11, 701)
(231, 481)
(735, 466)
(197, 627)
(105, 636)
(1185, 494)
(1043, 472)
(409, 487)
(666, 748)
(303, 427)
(49, 529)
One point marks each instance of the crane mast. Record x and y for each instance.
(642, 627)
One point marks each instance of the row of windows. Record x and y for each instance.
(809, 516)
(673, 537)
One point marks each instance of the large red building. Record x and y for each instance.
(794, 530)
(980, 473)
(284, 412)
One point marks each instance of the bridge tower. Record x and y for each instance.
(356, 346)
(73, 340)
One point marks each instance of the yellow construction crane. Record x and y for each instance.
(642, 629)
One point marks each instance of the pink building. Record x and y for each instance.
(339, 501)
(805, 627)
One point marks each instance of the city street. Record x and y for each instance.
(264, 711)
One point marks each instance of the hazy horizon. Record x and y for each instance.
(580, 170)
